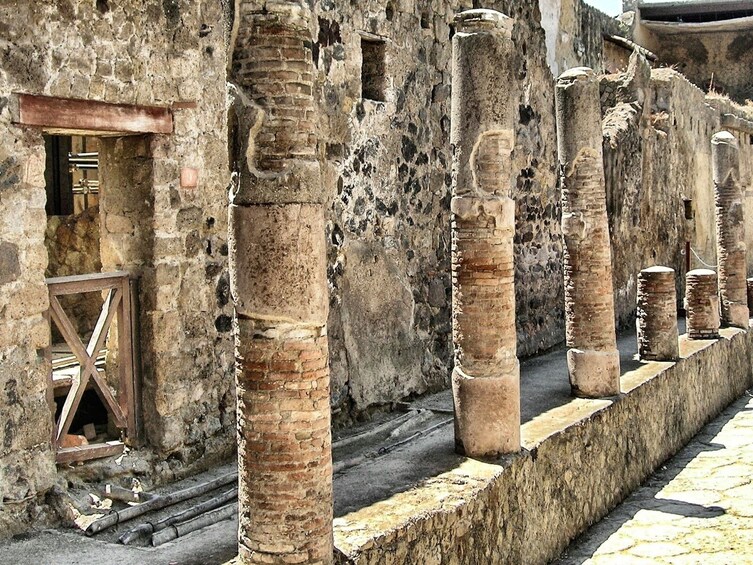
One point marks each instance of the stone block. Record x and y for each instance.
(594, 374)
(487, 413)
(279, 270)
(10, 269)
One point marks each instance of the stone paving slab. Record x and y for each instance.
(696, 509)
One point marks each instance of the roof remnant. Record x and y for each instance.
(694, 11)
(630, 46)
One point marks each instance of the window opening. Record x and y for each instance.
(373, 69)
(688, 205)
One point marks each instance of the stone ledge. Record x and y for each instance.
(579, 461)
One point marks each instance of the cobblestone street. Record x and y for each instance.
(697, 508)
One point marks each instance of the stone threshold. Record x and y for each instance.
(579, 461)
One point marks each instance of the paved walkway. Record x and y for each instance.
(697, 509)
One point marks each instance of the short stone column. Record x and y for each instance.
(279, 286)
(592, 359)
(702, 302)
(485, 381)
(657, 315)
(730, 230)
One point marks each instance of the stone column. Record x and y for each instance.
(279, 287)
(592, 359)
(702, 299)
(657, 315)
(730, 229)
(486, 377)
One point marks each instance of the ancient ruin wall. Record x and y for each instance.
(580, 461)
(387, 166)
(575, 34)
(152, 53)
(657, 155)
(718, 60)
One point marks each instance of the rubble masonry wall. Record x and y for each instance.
(150, 53)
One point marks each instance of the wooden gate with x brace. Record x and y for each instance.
(124, 409)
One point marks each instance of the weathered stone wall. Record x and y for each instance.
(387, 169)
(73, 249)
(26, 462)
(657, 155)
(574, 34)
(579, 461)
(152, 53)
(717, 60)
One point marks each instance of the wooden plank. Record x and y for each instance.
(119, 302)
(71, 360)
(85, 283)
(69, 332)
(87, 452)
(72, 400)
(103, 391)
(125, 361)
(76, 115)
(96, 343)
(136, 437)
(109, 309)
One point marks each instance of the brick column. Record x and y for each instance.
(657, 315)
(486, 377)
(279, 286)
(730, 229)
(702, 300)
(592, 359)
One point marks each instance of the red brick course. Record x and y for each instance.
(285, 449)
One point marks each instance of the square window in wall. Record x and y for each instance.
(373, 79)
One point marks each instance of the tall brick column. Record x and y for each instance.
(279, 287)
(730, 229)
(592, 359)
(486, 378)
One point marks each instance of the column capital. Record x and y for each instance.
(483, 21)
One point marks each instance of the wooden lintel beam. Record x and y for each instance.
(76, 115)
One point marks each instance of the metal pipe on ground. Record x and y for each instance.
(177, 530)
(159, 502)
(148, 528)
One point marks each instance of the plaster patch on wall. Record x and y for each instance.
(491, 161)
(550, 18)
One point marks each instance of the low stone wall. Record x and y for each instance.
(579, 461)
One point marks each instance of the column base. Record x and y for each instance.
(594, 374)
(487, 414)
(738, 316)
